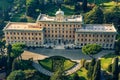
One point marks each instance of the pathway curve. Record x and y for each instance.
(74, 69)
(37, 66)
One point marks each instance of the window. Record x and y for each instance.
(17, 33)
(25, 33)
(36, 38)
(112, 35)
(112, 40)
(81, 39)
(35, 33)
(110, 45)
(96, 39)
(82, 35)
(21, 33)
(21, 37)
(89, 35)
(28, 33)
(7, 37)
(11, 37)
(14, 33)
(89, 39)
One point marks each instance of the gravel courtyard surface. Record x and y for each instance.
(73, 54)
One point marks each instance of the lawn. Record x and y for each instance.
(107, 60)
(47, 63)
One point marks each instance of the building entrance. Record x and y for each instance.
(59, 41)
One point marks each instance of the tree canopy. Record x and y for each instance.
(16, 75)
(91, 49)
(17, 49)
(95, 16)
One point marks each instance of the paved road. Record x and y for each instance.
(74, 55)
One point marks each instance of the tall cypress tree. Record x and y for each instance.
(91, 69)
(97, 71)
(115, 69)
(84, 5)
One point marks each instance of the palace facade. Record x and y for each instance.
(59, 30)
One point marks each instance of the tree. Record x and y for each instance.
(16, 75)
(58, 68)
(76, 77)
(17, 50)
(2, 44)
(91, 69)
(91, 49)
(95, 16)
(97, 71)
(115, 68)
(9, 60)
(84, 5)
(31, 6)
(77, 8)
(117, 47)
(113, 16)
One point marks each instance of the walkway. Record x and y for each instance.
(75, 55)
(74, 69)
(38, 67)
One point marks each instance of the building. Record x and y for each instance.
(59, 30)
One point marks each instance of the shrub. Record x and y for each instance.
(16, 75)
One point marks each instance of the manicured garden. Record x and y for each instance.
(47, 63)
(107, 60)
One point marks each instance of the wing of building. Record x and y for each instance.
(60, 29)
